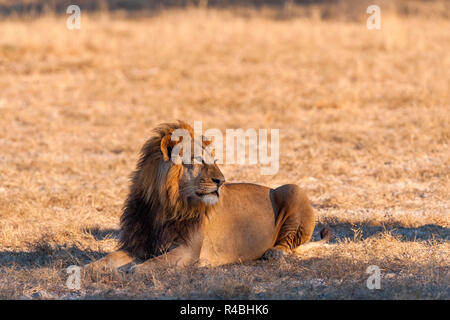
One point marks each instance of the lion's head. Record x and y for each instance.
(168, 199)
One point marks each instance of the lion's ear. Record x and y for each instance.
(207, 142)
(167, 145)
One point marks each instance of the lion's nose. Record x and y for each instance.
(218, 181)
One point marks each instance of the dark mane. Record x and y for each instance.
(155, 219)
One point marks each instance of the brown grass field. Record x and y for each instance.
(364, 119)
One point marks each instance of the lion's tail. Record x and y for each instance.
(326, 234)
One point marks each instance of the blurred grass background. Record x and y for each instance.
(364, 119)
(325, 9)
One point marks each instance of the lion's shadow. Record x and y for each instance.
(42, 254)
(363, 231)
(64, 256)
(102, 234)
(59, 257)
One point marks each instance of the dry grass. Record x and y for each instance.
(364, 119)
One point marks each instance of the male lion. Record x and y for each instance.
(181, 214)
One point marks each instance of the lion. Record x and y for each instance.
(180, 214)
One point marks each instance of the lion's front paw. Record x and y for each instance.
(97, 267)
(138, 270)
(274, 254)
(128, 268)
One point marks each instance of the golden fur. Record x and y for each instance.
(179, 213)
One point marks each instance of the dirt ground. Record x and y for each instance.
(364, 120)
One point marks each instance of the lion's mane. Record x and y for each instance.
(155, 218)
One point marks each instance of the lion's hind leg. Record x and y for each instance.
(295, 221)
